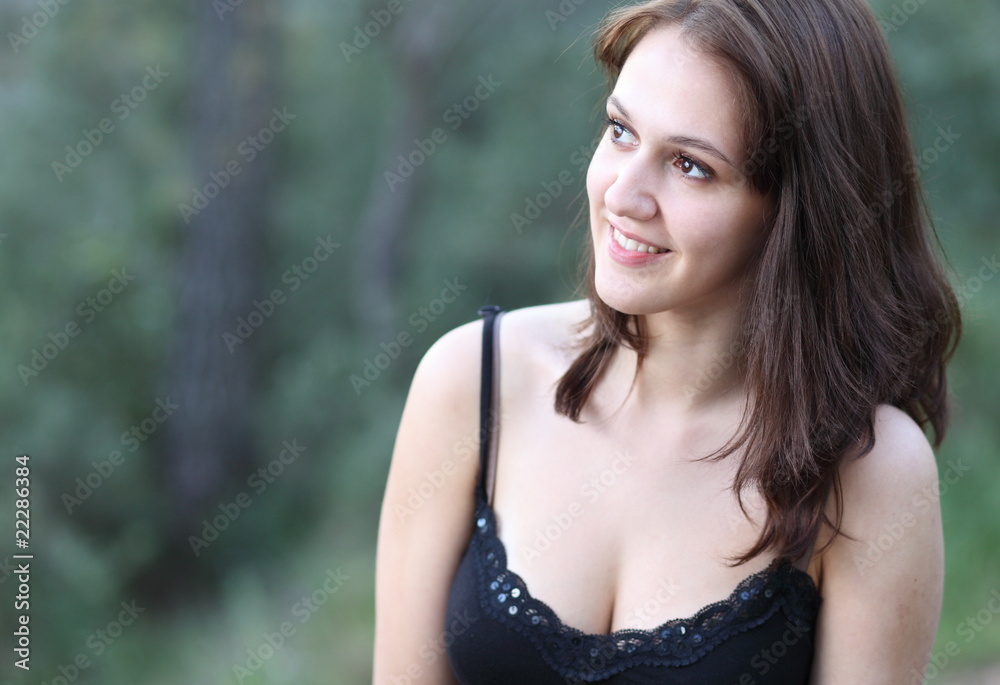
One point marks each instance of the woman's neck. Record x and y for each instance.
(691, 363)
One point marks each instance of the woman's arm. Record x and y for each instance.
(882, 594)
(426, 518)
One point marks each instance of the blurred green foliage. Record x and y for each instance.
(62, 235)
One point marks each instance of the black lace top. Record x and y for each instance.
(496, 632)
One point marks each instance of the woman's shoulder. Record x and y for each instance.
(894, 485)
(901, 459)
(887, 579)
(535, 343)
(547, 327)
(535, 334)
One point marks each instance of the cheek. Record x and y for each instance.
(731, 236)
(715, 227)
(714, 238)
(732, 217)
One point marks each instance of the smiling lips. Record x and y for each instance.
(628, 251)
(631, 245)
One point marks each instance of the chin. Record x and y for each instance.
(627, 298)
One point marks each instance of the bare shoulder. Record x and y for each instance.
(447, 377)
(439, 428)
(554, 320)
(427, 509)
(546, 336)
(898, 476)
(449, 369)
(882, 586)
(900, 463)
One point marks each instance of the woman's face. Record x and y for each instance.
(667, 175)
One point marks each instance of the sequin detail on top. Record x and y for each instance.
(585, 657)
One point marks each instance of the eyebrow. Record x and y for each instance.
(686, 141)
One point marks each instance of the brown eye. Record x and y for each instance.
(619, 132)
(691, 168)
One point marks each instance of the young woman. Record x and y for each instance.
(713, 469)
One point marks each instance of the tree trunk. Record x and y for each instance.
(421, 46)
(209, 445)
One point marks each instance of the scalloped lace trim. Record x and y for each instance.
(678, 642)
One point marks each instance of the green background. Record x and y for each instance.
(322, 176)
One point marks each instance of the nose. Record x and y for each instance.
(630, 194)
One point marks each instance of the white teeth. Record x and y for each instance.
(635, 246)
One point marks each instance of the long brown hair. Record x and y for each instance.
(846, 306)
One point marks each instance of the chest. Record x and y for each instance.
(504, 635)
(615, 527)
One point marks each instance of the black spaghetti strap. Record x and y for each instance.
(486, 427)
